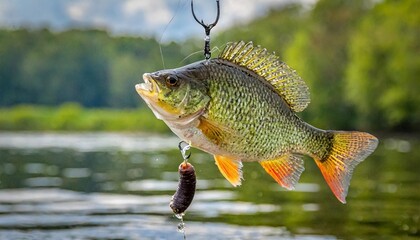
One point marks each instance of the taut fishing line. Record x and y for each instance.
(178, 6)
(187, 181)
(207, 28)
(214, 49)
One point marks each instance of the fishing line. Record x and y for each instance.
(186, 58)
(207, 29)
(214, 49)
(164, 31)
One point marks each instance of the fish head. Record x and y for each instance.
(174, 95)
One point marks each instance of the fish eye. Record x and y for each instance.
(172, 81)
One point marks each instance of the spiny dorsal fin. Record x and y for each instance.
(284, 79)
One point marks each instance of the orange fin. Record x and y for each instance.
(286, 170)
(348, 149)
(211, 131)
(230, 169)
(217, 133)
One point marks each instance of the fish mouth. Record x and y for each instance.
(149, 91)
(149, 88)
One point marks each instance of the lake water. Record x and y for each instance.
(118, 186)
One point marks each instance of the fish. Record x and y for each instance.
(242, 107)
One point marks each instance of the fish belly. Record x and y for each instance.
(195, 137)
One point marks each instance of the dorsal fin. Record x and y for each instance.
(284, 79)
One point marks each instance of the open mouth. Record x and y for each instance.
(148, 88)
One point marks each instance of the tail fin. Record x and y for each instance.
(347, 150)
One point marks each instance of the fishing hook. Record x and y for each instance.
(184, 150)
(207, 28)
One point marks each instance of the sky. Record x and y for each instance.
(164, 19)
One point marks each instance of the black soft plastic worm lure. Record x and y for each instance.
(184, 195)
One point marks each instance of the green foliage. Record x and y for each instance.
(73, 117)
(318, 53)
(384, 68)
(64, 117)
(22, 118)
(89, 67)
(274, 32)
(359, 58)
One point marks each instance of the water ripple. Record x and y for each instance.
(85, 142)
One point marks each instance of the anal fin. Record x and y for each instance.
(231, 169)
(286, 170)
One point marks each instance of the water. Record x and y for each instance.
(116, 186)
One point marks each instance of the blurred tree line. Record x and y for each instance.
(89, 67)
(360, 59)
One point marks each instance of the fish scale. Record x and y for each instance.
(242, 106)
(262, 110)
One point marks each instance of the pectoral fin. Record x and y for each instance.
(286, 170)
(212, 131)
(231, 169)
(217, 133)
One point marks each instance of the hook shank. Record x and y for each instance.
(207, 28)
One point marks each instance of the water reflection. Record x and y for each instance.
(57, 186)
(83, 142)
(43, 182)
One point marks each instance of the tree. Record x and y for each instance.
(319, 55)
(383, 73)
(71, 67)
(14, 46)
(274, 31)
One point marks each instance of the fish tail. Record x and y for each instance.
(347, 149)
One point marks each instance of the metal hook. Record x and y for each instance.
(207, 28)
(184, 150)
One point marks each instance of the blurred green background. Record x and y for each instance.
(359, 58)
(58, 180)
